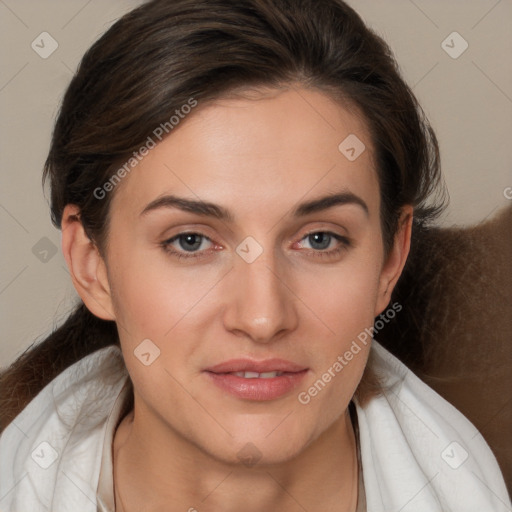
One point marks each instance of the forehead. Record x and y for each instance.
(264, 149)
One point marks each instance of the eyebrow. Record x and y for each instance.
(221, 213)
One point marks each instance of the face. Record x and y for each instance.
(258, 283)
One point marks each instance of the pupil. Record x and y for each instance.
(193, 241)
(318, 238)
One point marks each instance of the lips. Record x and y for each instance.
(256, 380)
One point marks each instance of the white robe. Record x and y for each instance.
(419, 454)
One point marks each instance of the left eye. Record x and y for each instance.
(321, 239)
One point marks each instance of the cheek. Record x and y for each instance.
(342, 304)
(151, 296)
(156, 300)
(342, 298)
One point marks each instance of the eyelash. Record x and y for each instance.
(345, 244)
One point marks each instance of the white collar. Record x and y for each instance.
(412, 443)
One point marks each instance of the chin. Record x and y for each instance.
(249, 455)
(258, 447)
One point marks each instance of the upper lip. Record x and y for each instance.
(250, 365)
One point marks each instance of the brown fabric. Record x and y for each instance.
(456, 292)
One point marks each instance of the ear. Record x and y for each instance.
(86, 266)
(395, 262)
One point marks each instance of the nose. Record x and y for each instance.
(261, 304)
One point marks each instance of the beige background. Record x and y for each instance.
(468, 100)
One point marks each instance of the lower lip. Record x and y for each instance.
(257, 389)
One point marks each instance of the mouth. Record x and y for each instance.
(257, 380)
(256, 375)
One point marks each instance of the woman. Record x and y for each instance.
(237, 185)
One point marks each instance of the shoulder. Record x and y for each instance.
(54, 445)
(419, 453)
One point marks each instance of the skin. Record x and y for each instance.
(259, 156)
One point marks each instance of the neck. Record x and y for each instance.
(162, 469)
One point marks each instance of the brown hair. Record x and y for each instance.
(157, 57)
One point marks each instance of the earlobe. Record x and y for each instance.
(395, 262)
(85, 264)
